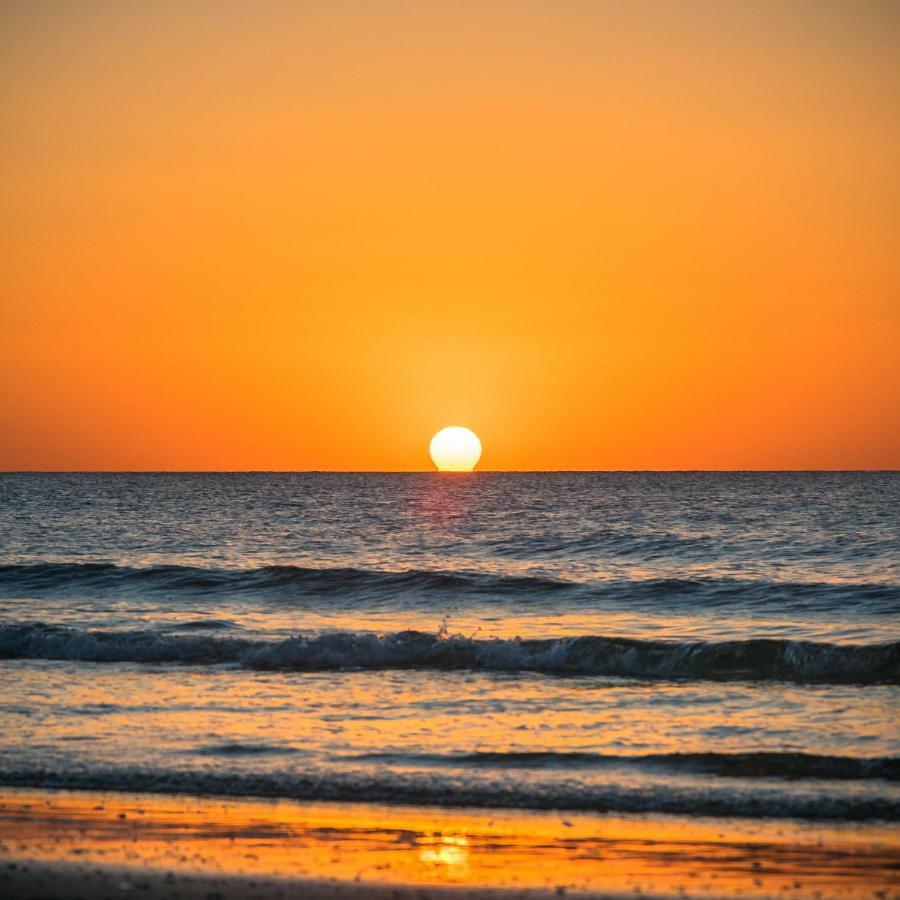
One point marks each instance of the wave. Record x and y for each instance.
(46, 579)
(729, 765)
(243, 748)
(761, 659)
(757, 800)
(202, 625)
(288, 583)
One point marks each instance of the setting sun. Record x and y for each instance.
(262, 262)
(455, 449)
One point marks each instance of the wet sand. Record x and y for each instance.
(80, 844)
(68, 881)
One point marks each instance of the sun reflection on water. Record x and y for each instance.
(402, 845)
(450, 851)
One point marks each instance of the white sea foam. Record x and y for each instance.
(751, 660)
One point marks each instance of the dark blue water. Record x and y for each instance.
(680, 642)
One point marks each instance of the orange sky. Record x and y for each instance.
(306, 235)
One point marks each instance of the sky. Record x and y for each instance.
(307, 235)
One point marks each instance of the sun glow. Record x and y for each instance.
(455, 449)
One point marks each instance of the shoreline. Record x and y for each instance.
(68, 881)
(67, 844)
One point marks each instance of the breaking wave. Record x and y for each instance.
(761, 659)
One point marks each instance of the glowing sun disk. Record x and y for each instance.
(455, 449)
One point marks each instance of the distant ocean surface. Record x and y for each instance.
(722, 644)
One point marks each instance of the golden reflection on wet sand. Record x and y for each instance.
(402, 845)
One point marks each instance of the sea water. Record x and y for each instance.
(692, 643)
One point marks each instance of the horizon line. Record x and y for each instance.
(436, 472)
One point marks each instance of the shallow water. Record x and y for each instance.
(721, 644)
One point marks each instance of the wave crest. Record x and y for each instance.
(760, 659)
(297, 584)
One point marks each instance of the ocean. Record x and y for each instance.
(701, 644)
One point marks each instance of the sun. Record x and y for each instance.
(455, 449)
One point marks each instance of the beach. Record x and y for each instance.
(582, 683)
(68, 844)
